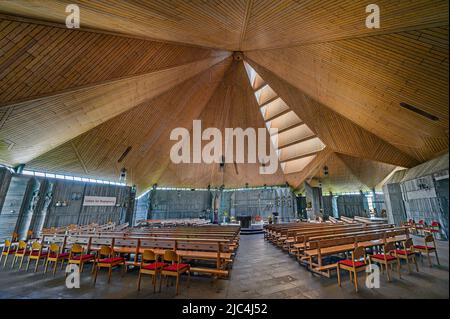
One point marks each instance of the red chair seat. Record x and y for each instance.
(349, 263)
(36, 253)
(404, 252)
(153, 266)
(176, 267)
(423, 247)
(111, 260)
(8, 252)
(63, 255)
(381, 257)
(88, 256)
(21, 252)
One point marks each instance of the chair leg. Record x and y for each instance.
(81, 267)
(109, 274)
(46, 266)
(189, 278)
(398, 269)
(95, 274)
(415, 261)
(429, 259)
(37, 265)
(388, 273)
(21, 262)
(28, 263)
(6, 259)
(339, 275)
(62, 264)
(178, 284)
(437, 258)
(356, 281)
(54, 267)
(408, 264)
(139, 281)
(160, 282)
(12, 264)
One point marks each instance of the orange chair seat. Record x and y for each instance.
(349, 263)
(111, 260)
(36, 253)
(176, 267)
(154, 266)
(85, 257)
(382, 257)
(423, 247)
(404, 252)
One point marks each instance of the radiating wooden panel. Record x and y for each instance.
(336, 131)
(287, 22)
(207, 23)
(233, 105)
(369, 172)
(37, 60)
(40, 125)
(296, 179)
(145, 128)
(340, 177)
(240, 24)
(366, 79)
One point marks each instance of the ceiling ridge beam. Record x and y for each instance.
(344, 38)
(279, 114)
(104, 83)
(297, 157)
(248, 10)
(11, 17)
(289, 128)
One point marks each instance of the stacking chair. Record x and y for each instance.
(353, 265)
(15, 237)
(20, 252)
(427, 249)
(36, 254)
(406, 253)
(175, 269)
(150, 266)
(54, 256)
(78, 257)
(386, 259)
(8, 249)
(106, 259)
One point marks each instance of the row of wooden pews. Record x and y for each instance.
(215, 245)
(322, 247)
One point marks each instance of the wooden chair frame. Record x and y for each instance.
(55, 255)
(357, 254)
(172, 257)
(427, 250)
(36, 254)
(388, 249)
(409, 254)
(78, 249)
(101, 263)
(7, 250)
(149, 255)
(21, 252)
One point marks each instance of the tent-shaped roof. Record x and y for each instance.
(93, 100)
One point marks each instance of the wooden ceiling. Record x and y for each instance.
(72, 101)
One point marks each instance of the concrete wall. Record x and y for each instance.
(352, 205)
(420, 193)
(163, 204)
(29, 203)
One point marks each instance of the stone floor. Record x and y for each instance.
(260, 271)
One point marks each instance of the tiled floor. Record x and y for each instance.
(260, 271)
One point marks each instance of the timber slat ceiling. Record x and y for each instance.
(240, 24)
(74, 100)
